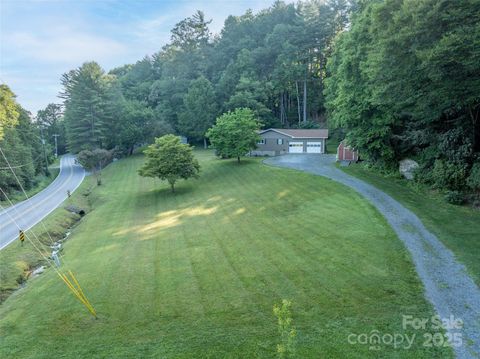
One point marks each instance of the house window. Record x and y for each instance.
(262, 141)
(280, 141)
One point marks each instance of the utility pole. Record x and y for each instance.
(56, 146)
(47, 172)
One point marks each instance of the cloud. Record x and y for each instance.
(42, 39)
(63, 46)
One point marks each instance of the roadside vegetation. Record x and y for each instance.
(402, 83)
(21, 148)
(17, 262)
(458, 227)
(40, 182)
(196, 273)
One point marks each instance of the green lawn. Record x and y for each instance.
(458, 227)
(195, 274)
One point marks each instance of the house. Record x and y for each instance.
(346, 153)
(275, 141)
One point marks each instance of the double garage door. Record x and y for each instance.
(312, 147)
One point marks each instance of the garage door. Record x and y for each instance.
(314, 147)
(295, 147)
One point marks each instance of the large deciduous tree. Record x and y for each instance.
(8, 109)
(235, 133)
(170, 160)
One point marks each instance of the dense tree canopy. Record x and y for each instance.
(20, 142)
(398, 77)
(272, 62)
(200, 109)
(403, 81)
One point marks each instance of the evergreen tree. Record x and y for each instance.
(85, 93)
(200, 110)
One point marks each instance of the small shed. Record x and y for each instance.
(346, 153)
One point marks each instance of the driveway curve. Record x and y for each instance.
(28, 213)
(447, 285)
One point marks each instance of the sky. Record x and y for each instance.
(42, 39)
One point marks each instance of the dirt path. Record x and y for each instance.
(447, 285)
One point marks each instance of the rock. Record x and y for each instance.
(56, 246)
(38, 271)
(407, 168)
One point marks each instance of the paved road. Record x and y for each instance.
(29, 212)
(447, 285)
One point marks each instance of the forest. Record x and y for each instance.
(397, 78)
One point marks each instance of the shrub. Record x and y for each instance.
(473, 180)
(449, 175)
(454, 197)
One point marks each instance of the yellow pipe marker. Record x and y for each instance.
(74, 291)
(80, 290)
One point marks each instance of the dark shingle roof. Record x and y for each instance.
(301, 133)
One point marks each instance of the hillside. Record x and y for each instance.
(196, 274)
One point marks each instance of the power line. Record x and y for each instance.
(25, 164)
(75, 288)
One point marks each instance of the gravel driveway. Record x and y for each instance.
(447, 285)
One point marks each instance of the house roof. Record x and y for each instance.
(300, 133)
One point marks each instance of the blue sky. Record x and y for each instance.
(42, 39)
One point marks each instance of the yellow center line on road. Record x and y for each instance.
(13, 219)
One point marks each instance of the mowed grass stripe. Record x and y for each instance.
(195, 274)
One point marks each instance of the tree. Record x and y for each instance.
(235, 133)
(253, 95)
(8, 109)
(95, 161)
(191, 33)
(90, 107)
(135, 125)
(51, 120)
(402, 83)
(20, 144)
(170, 160)
(200, 110)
